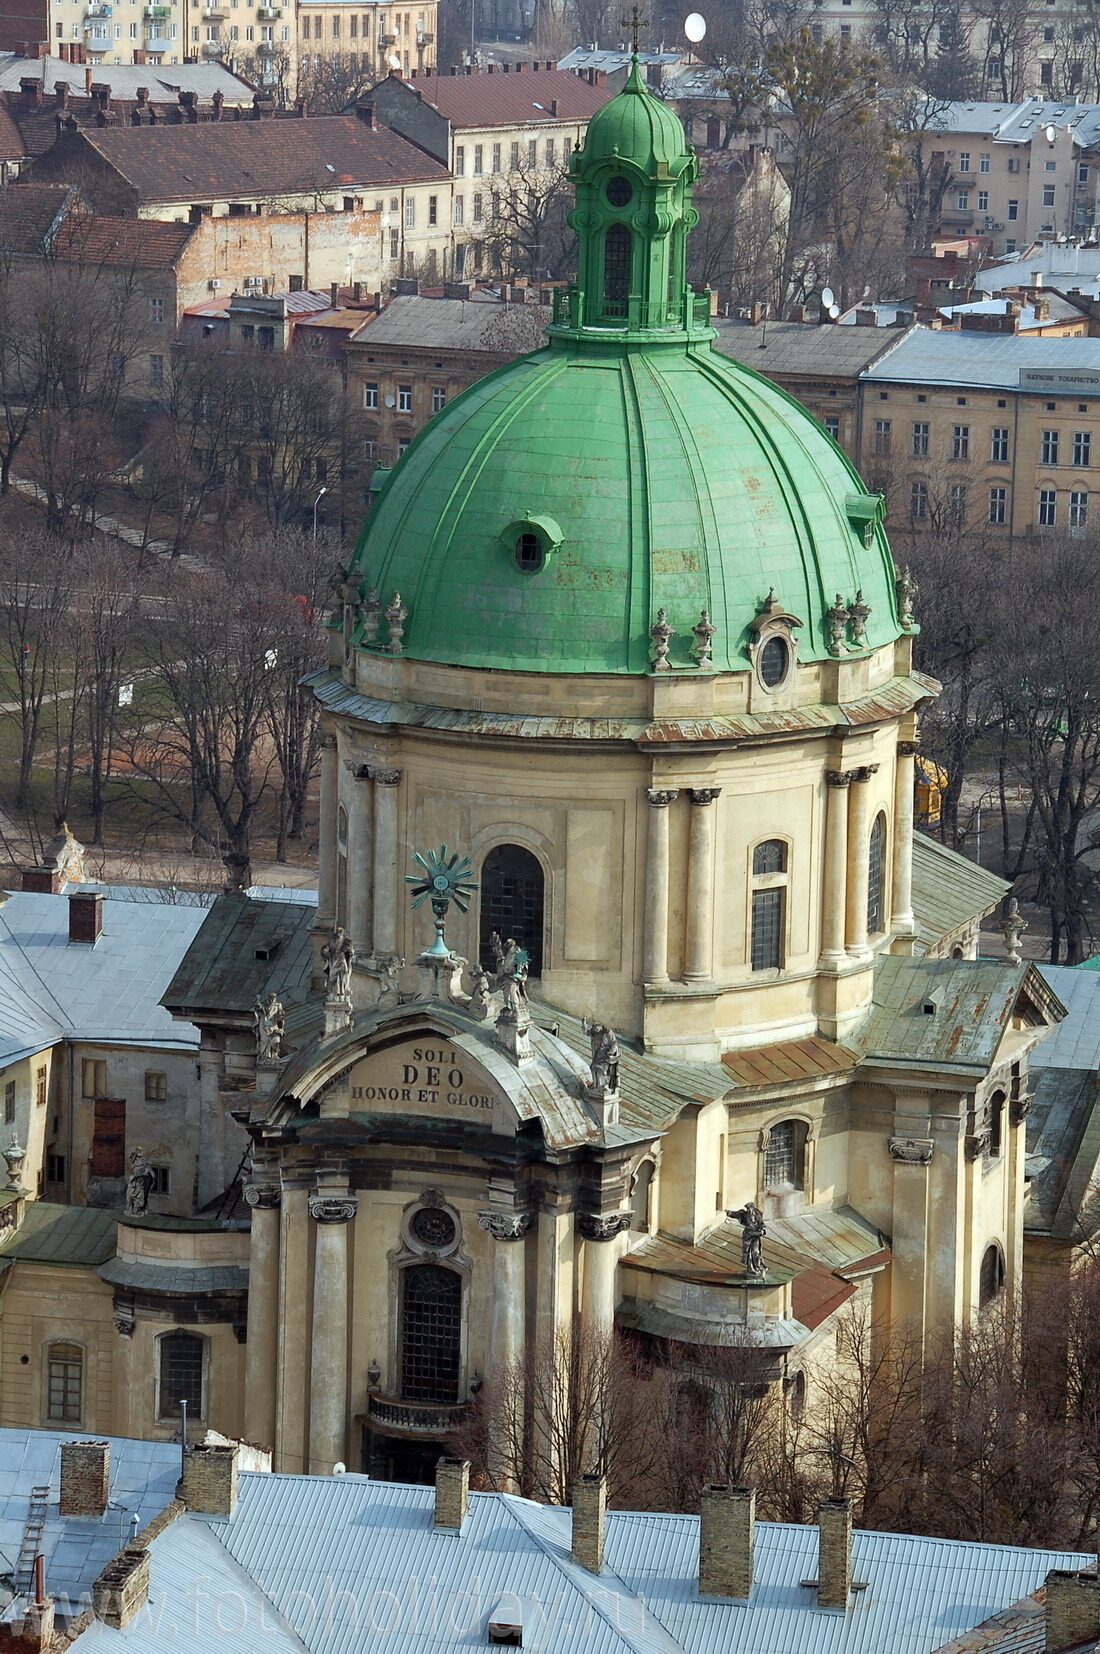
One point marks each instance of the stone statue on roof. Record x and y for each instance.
(336, 956)
(512, 963)
(604, 1061)
(751, 1219)
(267, 1017)
(139, 1184)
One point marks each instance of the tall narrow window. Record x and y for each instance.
(785, 1156)
(64, 1383)
(996, 1124)
(512, 897)
(769, 869)
(992, 1280)
(180, 1375)
(431, 1333)
(876, 878)
(616, 270)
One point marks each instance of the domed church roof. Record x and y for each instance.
(541, 520)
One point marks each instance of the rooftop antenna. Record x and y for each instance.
(183, 1436)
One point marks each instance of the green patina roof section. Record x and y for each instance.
(635, 125)
(81, 1235)
(679, 479)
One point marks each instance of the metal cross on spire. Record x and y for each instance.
(635, 23)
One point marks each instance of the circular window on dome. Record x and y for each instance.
(433, 1228)
(620, 192)
(529, 553)
(775, 659)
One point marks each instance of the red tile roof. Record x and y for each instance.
(11, 139)
(497, 99)
(28, 213)
(135, 243)
(247, 160)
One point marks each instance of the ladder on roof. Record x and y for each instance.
(32, 1540)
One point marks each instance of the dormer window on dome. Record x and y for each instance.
(774, 648)
(532, 540)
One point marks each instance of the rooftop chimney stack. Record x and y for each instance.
(589, 1521)
(209, 1482)
(1073, 1609)
(834, 1553)
(85, 916)
(122, 1589)
(452, 1493)
(85, 1478)
(727, 1534)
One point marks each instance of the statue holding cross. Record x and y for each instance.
(635, 23)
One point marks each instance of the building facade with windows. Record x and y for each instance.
(370, 39)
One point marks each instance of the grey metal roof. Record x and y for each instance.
(1075, 1043)
(802, 347)
(457, 324)
(1018, 123)
(242, 948)
(82, 1235)
(608, 60)
(994, 361)
(109, 993)
(174, 1279)
(1063, 1152)
(143, 1477)
(1061, 266)
(971, 999)
(354, 1565)
(949, 891)
(124, 79)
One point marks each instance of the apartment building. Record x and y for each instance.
(256, 35)
(372, 36)
(1017, 172)
(493, 129)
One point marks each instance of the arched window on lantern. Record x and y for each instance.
(876, 877)
(618, 255)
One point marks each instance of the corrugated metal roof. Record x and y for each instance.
(63, 1235)
(143, 1477)
(354, 1565)
(949, 891)
(125, 79)
(842, 1238)
(714, 1260)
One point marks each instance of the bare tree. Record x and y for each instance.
(37, 596)
(527, 233)
(331, 81)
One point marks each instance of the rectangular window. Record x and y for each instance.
(882, 437)
(156, 312)
(156, 371)
(956, 503)
(370, 395)
(161, 1183)
(1049, 452)
(1083, 173)
(433, 209)
(960, 442)
(832, 425)
(532, 152)
(180, 1374)
(458, 209)
(9, 1101)
(410, 214)
(998, 445)
(156, 1086)
(439, 399)
(93, 1076)
(983, 163)
(1078, 510)
(918, 502)
(962, 200)
(64, 1375)
(478, 208)
(513, 157)
(998, 501)
(460, 160)
(1013, 211)
(1048, 508)
(1048, 195)
(983, 200)
(551, 152)
(404, 399)
(920, 439)
(55, 1167)
(479, 160)
(395, 246)
(964, 160)
(767, 930)
(496, 157)
(355, 26)
(1082, 447)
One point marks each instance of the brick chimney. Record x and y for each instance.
(834, 1553)
(589, 1521)
(1072, 1611)
(143, 95)
(209, 1481)
(61, 94)
(44, 880)
(452, 1493)
(85, 916)
(365, 112)
(727, 1533)
(30, 90)
(122, 1589)
(85, 1478)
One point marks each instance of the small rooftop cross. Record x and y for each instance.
(635, 23)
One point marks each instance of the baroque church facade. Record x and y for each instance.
(623, 631)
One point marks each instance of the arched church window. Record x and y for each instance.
(768, 905)
(64, 1383)
(991, 1282)
(431, 1333)
(181, 1362)
(774, 659)
(617, 254)
(512, 898)
(785, 1157)
(876, 877)
(641, 1195)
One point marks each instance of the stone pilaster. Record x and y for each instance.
(386, 896)
(835, 881)
(509, 1299)
(699, 948)
(331, 1211)
(326, 873)
(656, 884)
(359, 856)
(293, 1359)
(261, 1349)
(600, 1265)
(902, 920)
(859, 838)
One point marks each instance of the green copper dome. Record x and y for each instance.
(546, 515)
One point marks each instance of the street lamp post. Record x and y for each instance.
(320, 494)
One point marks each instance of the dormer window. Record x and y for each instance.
(529, 553)
(775, 657)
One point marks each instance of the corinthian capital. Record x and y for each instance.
(593, 1227)
(505, 1226)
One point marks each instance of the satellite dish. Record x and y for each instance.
(867, 291)
(695, 27)
(834, 312)
(394, 61)
(826, 296)
(1050, 134)
(339, 1468)
(391, 400)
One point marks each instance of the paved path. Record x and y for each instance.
(121, 531)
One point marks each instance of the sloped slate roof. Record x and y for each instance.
(79, 1235)
(243, 947)
(227, 160)
(971, 1003)
(134, 243)
(949, 891)
(458, 324)
(125, 79)
(30, 212)
(497, 99)
(801, 348)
